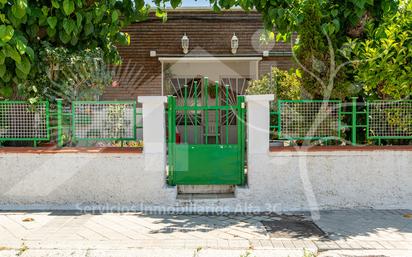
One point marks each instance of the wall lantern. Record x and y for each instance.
(185, 44)
(234, 43)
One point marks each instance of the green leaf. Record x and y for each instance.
(21, 47)
(51, 32)
(298, 73)
(115, 16)
(30, 53)
(24, 66)
(337, 24)
(55, 4)
(123, 38)
(74, 40)
(6, 91)
(2, 70)
(79, 19)
(68, 7)
(20, 74)
(12, 53)
(52, 21)
(69, 25)
(6, 33)
(45, 10)
(88, 29)
(174, 3)
(64, 37)
(19, 9)
(2, 57)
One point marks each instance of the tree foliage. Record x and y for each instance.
(316, 21)
(71, 24)
(383, 63)
(284, 84)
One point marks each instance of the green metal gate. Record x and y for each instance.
(211, 149)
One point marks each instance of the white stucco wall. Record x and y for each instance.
(70, 180)
(277, 181)
(287, 181)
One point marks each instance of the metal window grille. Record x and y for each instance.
(389, 119)
(24, 121)
(308, 119)
(104, 120)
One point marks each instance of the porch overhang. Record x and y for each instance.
(168, 59)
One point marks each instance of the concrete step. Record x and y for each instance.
(191, 197)
(205, 189)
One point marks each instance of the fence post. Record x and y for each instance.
(153, 109)
(354, 117)
(258, 123)
(59, 122)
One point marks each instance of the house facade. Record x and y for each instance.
(226, 47)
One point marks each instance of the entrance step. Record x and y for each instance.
(205, 189)
(204, 196)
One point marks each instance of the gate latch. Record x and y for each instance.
(242, 105)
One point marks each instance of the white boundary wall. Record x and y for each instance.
(132, 181)
(277, 181)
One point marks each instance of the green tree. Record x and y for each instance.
(322, 27)
(383, 61)
(71, 24)
(284, 84)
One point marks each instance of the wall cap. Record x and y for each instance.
(259, 98)
(152, 99)
(66, 150)
(341, 148)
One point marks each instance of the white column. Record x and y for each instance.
(154, 137)
(258, 123)
(154, 150)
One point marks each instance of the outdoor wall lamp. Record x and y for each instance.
(185, 44)
(234, 43)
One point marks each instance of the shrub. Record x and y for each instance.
(284, 84)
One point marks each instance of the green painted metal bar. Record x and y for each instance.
(185, 113)
(73, 121)
(104, 102)
(216, 112)
(48, 119)
(279, 119)
(171, 137)
(339, 119)
(241, 136)
(309, 101)
(367, 120)
(134, 120)
(196, 127)
(203, 108)
(206, 98)
(227, 114)
(354, 118)
(59, 122)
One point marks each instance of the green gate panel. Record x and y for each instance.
(207, 165)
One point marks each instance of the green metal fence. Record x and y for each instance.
(308, 119)
(104, 120)
(334, 120)
(22, 121)
(79, 121)
(389, 119)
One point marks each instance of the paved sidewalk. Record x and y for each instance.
(137, 234)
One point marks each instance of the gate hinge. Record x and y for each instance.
(242, 105)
